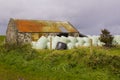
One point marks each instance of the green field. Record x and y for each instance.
(22, 62)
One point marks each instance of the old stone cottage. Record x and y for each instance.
(26, 31)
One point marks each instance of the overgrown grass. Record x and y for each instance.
(75, 64)
(2, 38)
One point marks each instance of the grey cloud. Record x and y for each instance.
(89, 16)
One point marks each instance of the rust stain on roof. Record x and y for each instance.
(43, 26)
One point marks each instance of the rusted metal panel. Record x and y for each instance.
(43, 26)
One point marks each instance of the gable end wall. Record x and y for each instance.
(11, 33)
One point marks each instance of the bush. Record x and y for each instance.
(106, 37)
(73, 64)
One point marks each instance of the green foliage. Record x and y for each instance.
(76, 64)
(106, 37)
(2, 38)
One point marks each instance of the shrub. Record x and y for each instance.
(106, 37)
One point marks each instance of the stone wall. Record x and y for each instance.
(11, 33)
(24, 38)
(15, 37)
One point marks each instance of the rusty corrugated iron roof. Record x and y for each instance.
(43, 26)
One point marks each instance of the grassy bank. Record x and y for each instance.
(75, 64)
(2, 38)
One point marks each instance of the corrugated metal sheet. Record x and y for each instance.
(43, 26)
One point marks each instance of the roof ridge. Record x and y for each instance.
(41, 20)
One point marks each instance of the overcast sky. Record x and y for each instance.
(88, 16)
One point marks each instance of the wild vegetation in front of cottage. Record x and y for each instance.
(25, 63)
